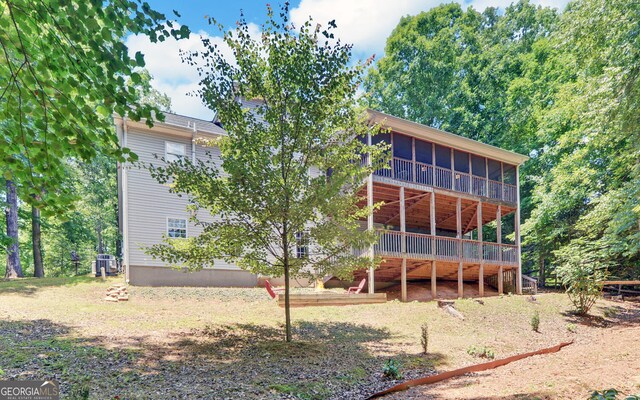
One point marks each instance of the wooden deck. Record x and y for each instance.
(331, 299)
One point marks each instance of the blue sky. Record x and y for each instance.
(364, 23)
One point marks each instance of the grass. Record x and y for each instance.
(227, 342)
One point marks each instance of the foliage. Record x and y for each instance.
(572, 328)
(582, 270)
(611, 394)
(562, 88)
(391, 369)
(535, 322)
(64, 70)
(290, 164)
(481, 352)
(424, 337)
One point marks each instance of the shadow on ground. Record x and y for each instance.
(29, 286)
(326, 360)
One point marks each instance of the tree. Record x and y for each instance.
(36, 242)
(285, 194)
(14, 267)
(64, 73)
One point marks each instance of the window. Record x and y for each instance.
(173, 151)
(424, 152)
(461, 160)
(177, 228)
(402, 146)
(302, 244)
(443, 157)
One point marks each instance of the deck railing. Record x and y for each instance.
(421, 246)
(446, 178)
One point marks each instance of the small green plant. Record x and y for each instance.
(391, 369)
(572, 328)
(535, 321)
(424, 337)
(481, 352)
(609, 312)
(611, 394)
(80, 392)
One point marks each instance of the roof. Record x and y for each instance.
(395, 123)
(446, 138)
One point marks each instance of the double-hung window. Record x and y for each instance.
(302, 244)
(174, 151)
(177, 228)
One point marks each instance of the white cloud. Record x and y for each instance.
(364, 23)
(173, 77)
(367, 23)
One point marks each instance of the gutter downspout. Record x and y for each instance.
(125, 205)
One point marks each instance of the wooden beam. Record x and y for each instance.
(460, 281)
(371, 287)
(434, 276)
(455, 215)
(403, 280)
(481, 281)
(459, 221)
(500, 280)
(408, 208)
(517, 233)
(403, 247)
(471, 220)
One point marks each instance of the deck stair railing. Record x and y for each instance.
(529, 285)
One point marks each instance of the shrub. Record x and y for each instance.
(424, 337)
(572, 328)
(582, 270)
(481, 351)
(391, 369)
(535, 321)
(611, 394)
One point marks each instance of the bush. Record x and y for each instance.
(481, 351)
(572, 328)
(611, 394)
(424, 337)
(582, 271)
(535, 322)
(391, 369)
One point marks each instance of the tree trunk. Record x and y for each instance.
(99, 236)
(287, 309)
(36, 236)
(14, 269)
(541, 269)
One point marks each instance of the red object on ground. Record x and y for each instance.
(461, 371)
(271, 290)
(357, 289)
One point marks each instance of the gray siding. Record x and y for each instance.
(150, 203)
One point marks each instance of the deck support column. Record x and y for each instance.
(371, 287)
(434, 291)
(459, 237)
(501, 280)
(480, 248)
(403, 246)
(517, 233)
(460, 280)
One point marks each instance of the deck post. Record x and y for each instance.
(403, 246)
(500, 280)
(481, 280)
(460, 280)
(432, 222)
(517, 233)
(453, 171)
(371, 288)
(499, 231)
(434, 291)
(480, 249)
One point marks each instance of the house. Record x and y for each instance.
(439, 191)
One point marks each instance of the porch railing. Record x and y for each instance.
(422, 246)
(446, 178)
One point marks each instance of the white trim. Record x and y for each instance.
(186, 226)
(125, 204)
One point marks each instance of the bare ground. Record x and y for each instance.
(227, 343)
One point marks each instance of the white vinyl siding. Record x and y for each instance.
(150, 203)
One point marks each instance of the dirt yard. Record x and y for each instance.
(218, 343)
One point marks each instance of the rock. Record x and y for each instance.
(109, 298)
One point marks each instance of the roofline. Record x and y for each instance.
(169, 128)
(446, 138)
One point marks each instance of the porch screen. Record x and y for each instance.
(478, 166)
(402, 146)
(443, 157)
(461, 160)
(424, 152)
(509, 174)
(495, 172)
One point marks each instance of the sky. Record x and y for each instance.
(364, 23)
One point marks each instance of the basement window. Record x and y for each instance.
(177, 228)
